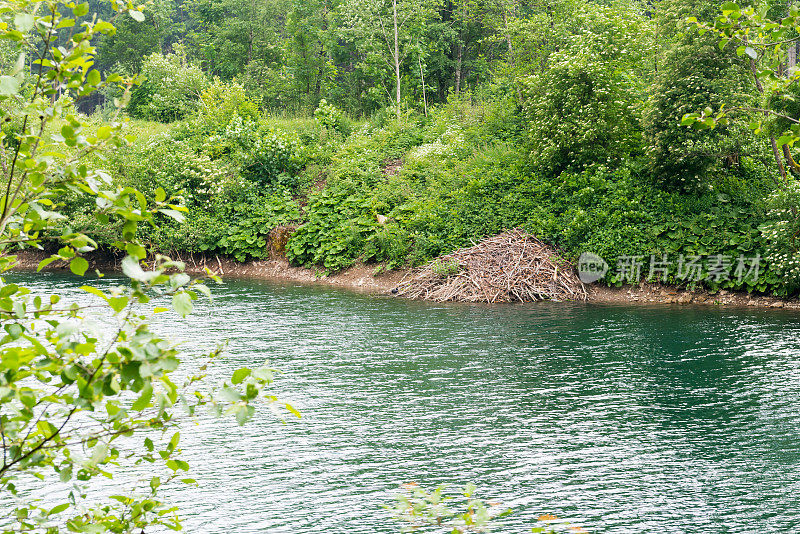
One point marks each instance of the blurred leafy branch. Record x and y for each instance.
(76, 401)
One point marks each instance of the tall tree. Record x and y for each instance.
(693, 74)
(383, 32)
(224, 36)
(308, 55)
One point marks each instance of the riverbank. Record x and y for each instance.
(358, 278)
(363, 278)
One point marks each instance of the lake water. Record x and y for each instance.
(623, 419)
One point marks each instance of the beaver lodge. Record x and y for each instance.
(509, 267)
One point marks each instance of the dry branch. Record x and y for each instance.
(509, 267)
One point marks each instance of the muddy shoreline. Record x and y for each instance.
(359, 278)
(362, 278)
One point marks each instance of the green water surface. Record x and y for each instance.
(624, 419)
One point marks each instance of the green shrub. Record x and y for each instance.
(221, 101)
(249, 221)
(170, 90)
(782, 234)
(331, 118)
(269, 157)
(694, 74)
(340, 224)
(584, 108)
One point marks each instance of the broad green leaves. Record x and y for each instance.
(239, 375)
(78, 266)
(24, 21)
(182, 302)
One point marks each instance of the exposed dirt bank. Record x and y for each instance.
(362, 278)
(652, 293)
(359, 278)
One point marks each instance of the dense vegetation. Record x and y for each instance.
(623, 129)
(393, 132)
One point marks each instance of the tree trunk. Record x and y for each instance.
(772, 141)
(787, 153)
(511, 53)
(792, 46)
(508, 38)
(777, 157)
(422, 77)
(459, 57)
(396, 55)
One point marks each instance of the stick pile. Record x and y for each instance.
(508, 267)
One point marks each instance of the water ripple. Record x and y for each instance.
(624, 419)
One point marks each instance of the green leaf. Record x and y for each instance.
(78, 265)
(24, 22)
(229, 394)
(138, 16)
(144, 399)
(81, 9)
(19, 65)
(8, 86)
(118, 303)
(182, 302)
(65, 474)
(137, 251)
(177, 464)
(175, 214)
(99, 454)
(244, 413)
(132, 269)
(93, 78)
(58, 509)
(45, 262)
(293, 411)
(160, 195)
(239, 375)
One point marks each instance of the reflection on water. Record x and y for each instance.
(625, 419)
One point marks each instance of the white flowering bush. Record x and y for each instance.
(270, 157)
(782, 234)
(451, 143)
(173, 165)
(170, 90)
(584, 109)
